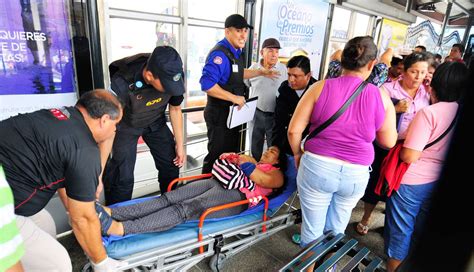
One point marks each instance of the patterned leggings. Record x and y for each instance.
(176, 207)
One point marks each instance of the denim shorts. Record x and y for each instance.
(405, 214)
(328, 190)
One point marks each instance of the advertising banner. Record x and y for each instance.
(298, 25)
(393, 35)
(36, 61)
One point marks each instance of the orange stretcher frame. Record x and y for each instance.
(217, 208)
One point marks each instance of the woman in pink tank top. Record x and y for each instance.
(334, 167)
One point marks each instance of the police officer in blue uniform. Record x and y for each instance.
(146, 84)
(223, 81)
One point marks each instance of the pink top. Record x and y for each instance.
(349, 137)
(421, 100)
(259, 190)
(426, 127)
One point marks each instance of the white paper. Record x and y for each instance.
(246, 113)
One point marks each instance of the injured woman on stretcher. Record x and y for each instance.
(235, 178)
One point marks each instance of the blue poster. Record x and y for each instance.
(35, 48)
(299, 26)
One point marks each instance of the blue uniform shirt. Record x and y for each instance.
(217, 68)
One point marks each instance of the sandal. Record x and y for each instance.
(361, 229)
(296, 238)
(104, 218)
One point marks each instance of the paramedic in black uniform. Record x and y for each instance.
(59, 150)
(223, 80)
(147, 84)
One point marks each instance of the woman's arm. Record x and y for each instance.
(409, 155)
(336, 55)
(301, 118)
(386, 57)
(386, 136)
(271, 179)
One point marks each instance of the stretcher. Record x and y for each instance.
(185, 245)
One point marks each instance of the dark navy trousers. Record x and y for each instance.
(119, 172)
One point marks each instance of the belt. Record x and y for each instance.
(265, 112)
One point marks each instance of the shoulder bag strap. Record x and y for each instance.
(446, 131)
(339, 112)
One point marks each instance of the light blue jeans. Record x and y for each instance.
(328, 190)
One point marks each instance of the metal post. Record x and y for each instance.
(249, 14)
(408, 6)
(326, 40)
(445, 22)
(470, 21)
(96, 55)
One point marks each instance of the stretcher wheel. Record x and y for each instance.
(217, 262)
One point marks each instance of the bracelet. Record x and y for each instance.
(247, 168)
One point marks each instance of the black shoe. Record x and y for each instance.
(104, 218)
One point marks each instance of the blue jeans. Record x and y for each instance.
(405, 215)
(328, 190)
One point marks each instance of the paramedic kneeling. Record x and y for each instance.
(147, 84)
(59, 150)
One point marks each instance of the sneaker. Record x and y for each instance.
(296, 238)
(104, 218)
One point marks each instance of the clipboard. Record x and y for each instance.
(246, 113)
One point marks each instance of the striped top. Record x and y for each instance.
(11, 243)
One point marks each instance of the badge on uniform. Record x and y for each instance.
(217, 60)
(235, 68)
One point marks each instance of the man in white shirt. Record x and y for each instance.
(266, 89)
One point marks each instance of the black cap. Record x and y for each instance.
(166, 64)
(237, 21)
(271, 43)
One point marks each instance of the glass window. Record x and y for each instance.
(201, 9)
(125, 42)
(361, 24)
(168, 7)
(200, 41)
(341, 25)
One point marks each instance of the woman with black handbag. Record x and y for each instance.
(334, 169)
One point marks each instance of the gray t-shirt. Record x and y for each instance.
(266, 88)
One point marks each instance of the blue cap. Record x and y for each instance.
(166, 64)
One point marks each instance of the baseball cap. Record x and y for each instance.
(271, 43)
(166, 64)
(237, 21)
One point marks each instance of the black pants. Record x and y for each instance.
(370, 196)
(119, 171)
(172, 208)
(221, 139)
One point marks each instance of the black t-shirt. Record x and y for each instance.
(46, 150)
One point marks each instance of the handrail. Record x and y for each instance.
(187, 110)
(176, 180)
(227, 206)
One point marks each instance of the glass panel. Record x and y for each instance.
(125, 42)
(168, 7)
(341, 25)
(200, 41)
(361, 24)
(205, 9)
